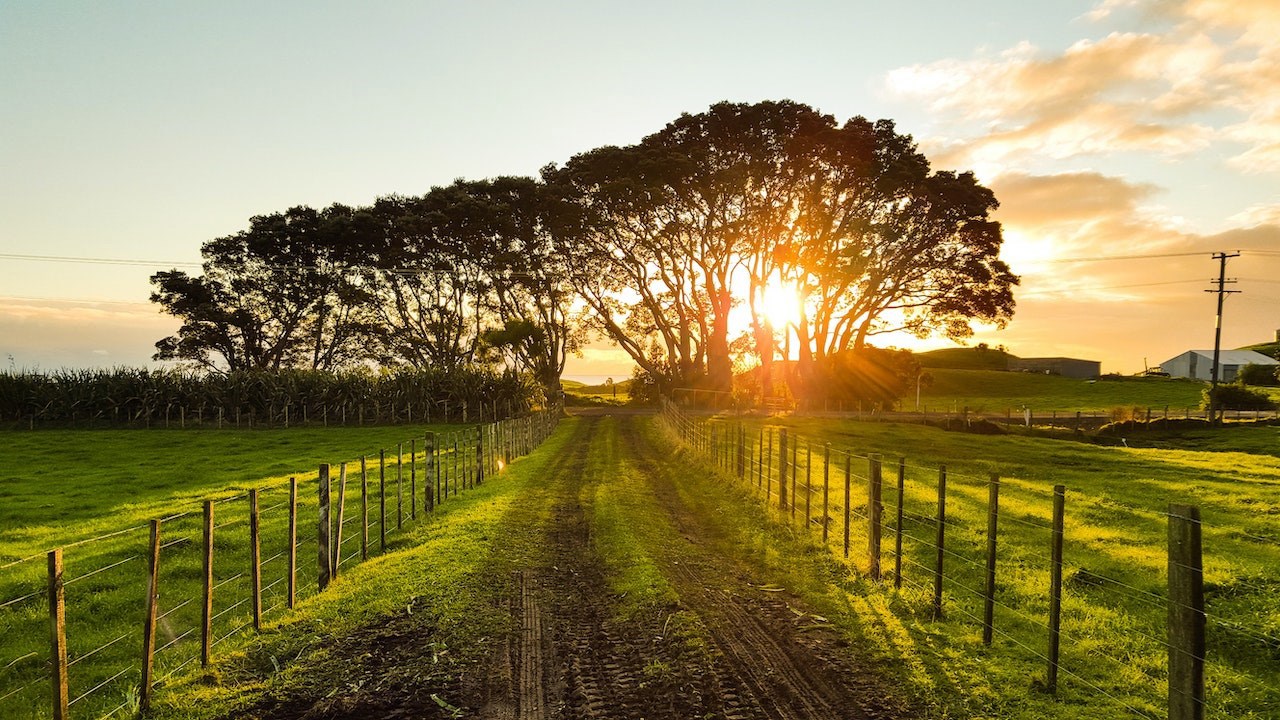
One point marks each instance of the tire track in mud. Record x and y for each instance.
(574, 662)
(765, 667)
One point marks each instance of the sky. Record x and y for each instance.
(1126, 140)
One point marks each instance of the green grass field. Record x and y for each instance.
(67, 487)
(1114, 613)
(991, 391)
(1114, 606)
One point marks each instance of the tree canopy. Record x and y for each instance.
(728, 205)
(676, 248)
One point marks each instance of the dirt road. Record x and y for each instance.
(755, 656)
(699, 633)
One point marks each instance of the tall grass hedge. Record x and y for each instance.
(148, 397)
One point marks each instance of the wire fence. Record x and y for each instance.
(1089, 590)
(205, 573)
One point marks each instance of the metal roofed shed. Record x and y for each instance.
(1198, 364)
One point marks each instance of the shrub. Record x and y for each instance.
(1268, 375)
(1238, 397)
(1125, 412)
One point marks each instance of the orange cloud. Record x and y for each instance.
(1210, 79)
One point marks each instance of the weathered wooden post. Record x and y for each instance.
(364, 508)
(875, 514)
(808, 485)
(741, 457)
(324, 552)
(206, 609)
(479, 455)
(940, 542)
(413, 478)
(795, 475)
(989, 597)
(382, 500)
(1186, 614)
(342, 513)
(291, 553)
(897, 539)
(782, 470)
(848, 491)
(760, 456)
(429, 454)
(58, 635)
(826, 491)
(255, 560)
(399, 485)
(149, 622)
(1055, 586)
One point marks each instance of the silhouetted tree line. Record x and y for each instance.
(655, 245)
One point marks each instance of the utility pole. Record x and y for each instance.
(1222, 292)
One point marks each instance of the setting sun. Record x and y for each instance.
(780, 304)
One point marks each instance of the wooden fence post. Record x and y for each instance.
(897, 539)
(292, 554)
(826, 491)
(382, 500)
(939, 544)
(413, 478)
(255, 560)
(1055, 586)
(808, 485)
(848, 492)
(760, 464)
(342, 514)
(875, 515)
(364, 508)
(206, 610)
(149, 621)
(479, 455)
(989, 598)
(782, 470)
(429, 455)
(1186, 614)
(399, 485)
(324, 553)
(795, 475)
(58, 635)
(795, 470)
(768, 472)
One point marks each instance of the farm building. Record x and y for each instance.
(1198, 364)
(1066, 367)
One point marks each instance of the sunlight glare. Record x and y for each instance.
(780, 304)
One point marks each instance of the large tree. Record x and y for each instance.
(277, 295)
(881, 244)
(735, 202)
(630, 258)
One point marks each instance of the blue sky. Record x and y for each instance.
(131, 130)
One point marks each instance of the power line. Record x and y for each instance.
(1150, 256)
(95, 261)
(1109, 287)
(402, 271)
(79, 301)
(1104, 258)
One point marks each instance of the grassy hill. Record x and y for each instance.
(974, 358)
(1270, 349)
(995, 391)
